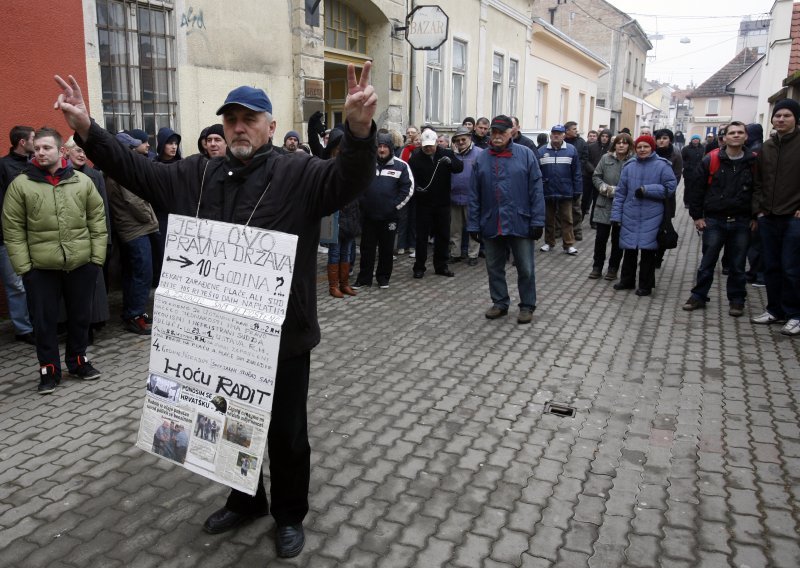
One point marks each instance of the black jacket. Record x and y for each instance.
(730, 192)
(525, 141)
(389, 191)
(303, 189)
(11, 166)
(433, 192)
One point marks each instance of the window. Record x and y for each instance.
(564, 105)
(636, 72)
(498, 62)
(712, 107)
(137, 69)
(344, 28)
(513, 79)
(628, 68)
(433, 86)
(582, 109)
(541, 105)
(457, 112)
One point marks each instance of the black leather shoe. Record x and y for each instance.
(28, 338)
(621, 286)
(418, 274)
(223, 520)
(289, 540)
(643, 291)
(446, 272)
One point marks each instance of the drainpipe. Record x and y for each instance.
(412, 75)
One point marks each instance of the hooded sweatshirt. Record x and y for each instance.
(162, 138)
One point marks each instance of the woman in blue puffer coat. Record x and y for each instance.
(647, 181)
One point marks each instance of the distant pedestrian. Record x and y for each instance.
(562, 182)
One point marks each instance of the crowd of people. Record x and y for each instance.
(485, 191)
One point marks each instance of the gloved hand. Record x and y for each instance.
(445, 160)
(639, 192)
(316, 124)
(612, 189)
(475, 237)
(536, 233)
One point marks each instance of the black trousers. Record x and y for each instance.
(45, 289)
(378, 234)
(433, 221)
(288, 449)
(600, 241)
(647, 268)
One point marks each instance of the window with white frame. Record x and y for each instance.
(458, 83)
(433, 86)
(564, 105)
(136, 41)
(498, 62)
(513, 81)
(541, 104)
(712, 107)
(581, 108)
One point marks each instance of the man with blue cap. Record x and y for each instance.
(301, 190)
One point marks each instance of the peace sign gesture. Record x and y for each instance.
(361, 102)
(70, 102)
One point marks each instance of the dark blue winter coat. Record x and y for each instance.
(641, 217)
(389, 191)
(561, 172)
(506, 197)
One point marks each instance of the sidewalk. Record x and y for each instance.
(430, 444)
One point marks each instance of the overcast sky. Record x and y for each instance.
(711, 25)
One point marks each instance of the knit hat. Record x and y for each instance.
(291, 133)
(387, 140)
(468, 119)
(215, 129)
(695, 137)
(791, 105)
(128, 141)
(647, 139)
(140, 135)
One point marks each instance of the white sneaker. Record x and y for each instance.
(792, 327)
(401, 251)
(766, 318)
(545, 248)
(572, 251)
(322, 250)
(412, 255)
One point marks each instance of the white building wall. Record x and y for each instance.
(776, 62)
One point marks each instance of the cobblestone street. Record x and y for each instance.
(430, 441)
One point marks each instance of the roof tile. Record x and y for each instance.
(715, 85)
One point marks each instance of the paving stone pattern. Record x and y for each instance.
(430, 445)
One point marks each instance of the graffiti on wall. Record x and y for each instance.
(193, 21)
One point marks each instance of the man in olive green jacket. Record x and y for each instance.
(54, 227)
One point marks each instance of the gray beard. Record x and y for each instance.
(243, 153)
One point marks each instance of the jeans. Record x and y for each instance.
(780, 242)
(137, 276)
(735, 237)
(378, 234)
(288, 449)
(496, 256)
(15, 293)
(603, 233)
(335, 254)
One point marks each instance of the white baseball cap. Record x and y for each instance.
(429, 138)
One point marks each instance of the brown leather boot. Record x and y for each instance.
(344, 279)
(333, 281)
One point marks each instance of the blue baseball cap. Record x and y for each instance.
(248, 97)
(558, 128)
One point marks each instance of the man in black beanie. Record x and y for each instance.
(776, 206)
(216, 147)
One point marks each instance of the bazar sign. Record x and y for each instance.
(426, 27)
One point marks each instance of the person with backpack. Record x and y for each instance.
(720, 204)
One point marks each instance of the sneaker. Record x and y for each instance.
(358, 285)
(572, 251)
(694, 304)
(758, 285)
(494, 312)
(412, 254)
(147, 318)
(736, 310)
(48, 379)
(766, 319)
(84, 370)
(595, 275)
(545, 248)
(137, 325)
(792, 327)
(525, 316)
(383, 286)
(401, 251)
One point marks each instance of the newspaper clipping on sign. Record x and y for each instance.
(217, 318)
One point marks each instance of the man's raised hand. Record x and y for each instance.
(70, 102)
(361, 101)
